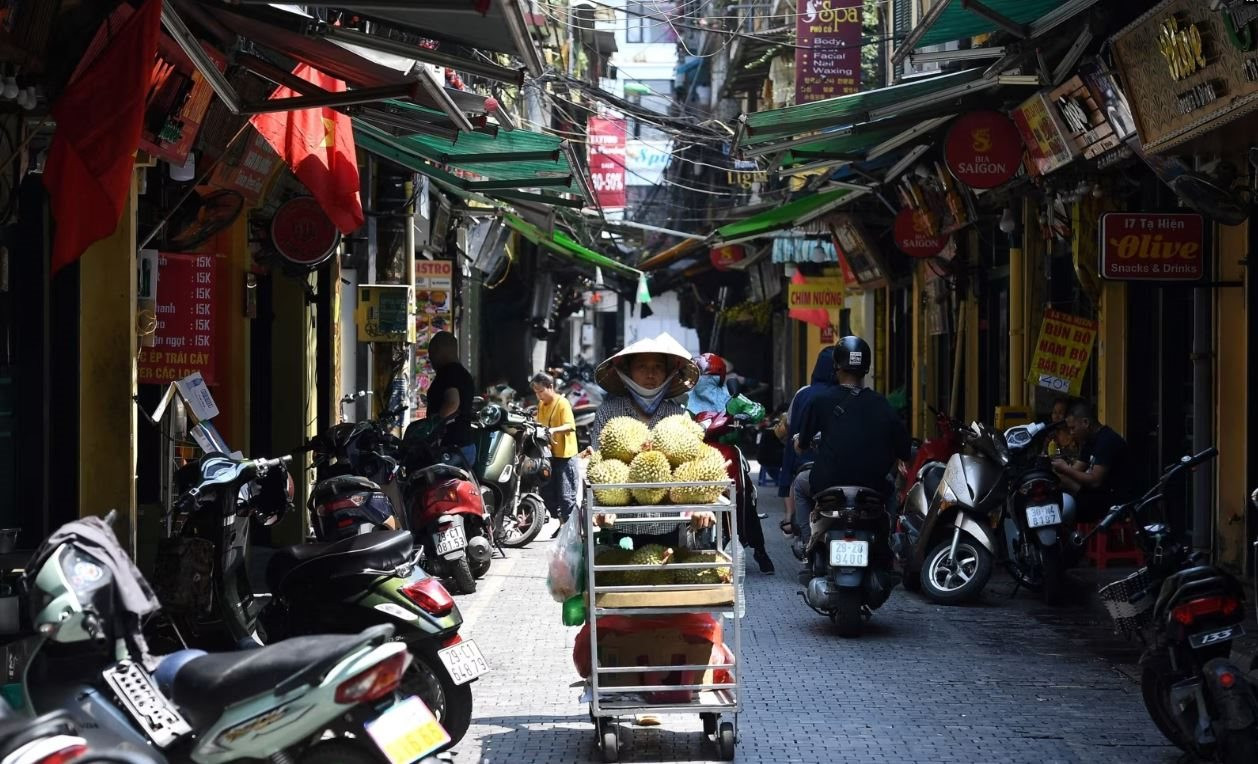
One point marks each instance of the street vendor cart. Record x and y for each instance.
(663, 648)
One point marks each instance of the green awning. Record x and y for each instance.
(852, 146)
(798, 212)
(562, 244)
(957, 22)
(538, 181)
(763, 127)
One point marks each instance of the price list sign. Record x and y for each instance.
(184, 340)
(828, 56)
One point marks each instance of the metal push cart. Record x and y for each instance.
(716, 704)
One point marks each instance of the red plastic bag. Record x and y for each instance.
(684, 639)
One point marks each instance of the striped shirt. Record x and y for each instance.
(622, 405)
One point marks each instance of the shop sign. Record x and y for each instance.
(724, 258)
(184, 340)
(913, 236)
(829, 335)
(1090, 132)
(302, 233)
(1140, 246)
(983, 149)
(645, 162)
(607, 161)
(825, 293)
(383, 313)
(858, 256)
(434, 312)
(1189, 67)
(247, 168)
(1062, 352)
(828, 49)
(1047, 140)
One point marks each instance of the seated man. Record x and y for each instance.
(1100, 477)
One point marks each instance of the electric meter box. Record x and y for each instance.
(384, 313)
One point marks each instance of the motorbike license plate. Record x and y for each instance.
(849, 553)
(1044, 514)
(1207, 638)
(407, 732)
(464, 661)
(450, 540)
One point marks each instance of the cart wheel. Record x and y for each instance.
(709, 724)
(725, 742)
(610, 744)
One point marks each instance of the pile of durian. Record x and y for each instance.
(665, 572)
(671, 452)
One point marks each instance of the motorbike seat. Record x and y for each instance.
(204, 686)
(931, 477)
(381, 550)
(849, 496)
(334, 486)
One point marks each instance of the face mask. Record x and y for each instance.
(648, 399)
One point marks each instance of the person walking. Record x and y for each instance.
(554, 412)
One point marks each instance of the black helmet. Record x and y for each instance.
(852, 354)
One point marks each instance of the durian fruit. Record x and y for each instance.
(676, 438)
(610, 471)
(711, 576)
(700, 470)
(650, 467)
(612, 556)
(651, 554)
(622, 438)
(595, 458)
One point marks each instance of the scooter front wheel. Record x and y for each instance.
(461, 572)
(848, 620)
(522, 524)
(951, 582)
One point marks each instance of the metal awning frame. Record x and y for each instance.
(1037, 28)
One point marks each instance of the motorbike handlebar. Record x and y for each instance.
(1204, 456)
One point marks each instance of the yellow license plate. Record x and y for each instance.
(407, 732)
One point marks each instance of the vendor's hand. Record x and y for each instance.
(604, 520)
(587, 453)
(702, 520)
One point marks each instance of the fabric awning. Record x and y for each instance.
(776, 125)
(561, 244)
(951, 20)
(798, 212)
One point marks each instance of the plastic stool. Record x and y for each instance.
(1114, 545)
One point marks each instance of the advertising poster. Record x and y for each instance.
(184, 341)
(1047, 143)
(434, 312)
(1062, 352)
(607, 161)
(828, 59)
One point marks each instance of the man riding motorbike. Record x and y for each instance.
(862, 438)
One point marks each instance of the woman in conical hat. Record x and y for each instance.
(641, 380)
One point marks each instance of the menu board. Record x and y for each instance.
(184, 340)
(434, 312)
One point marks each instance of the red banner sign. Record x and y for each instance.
(983, 149)
(1143, 246)
(913, 238)
(724, 257)
(184, 340)
(828, 49)
(607, 161)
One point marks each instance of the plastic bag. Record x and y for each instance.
(565, 575)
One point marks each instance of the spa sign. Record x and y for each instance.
(1143, 246)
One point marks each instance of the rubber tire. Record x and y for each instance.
(609, 744)
(1156, 679)
(461, 573)
(1239, 747)
(725, 741)
(968, 591)
(1054, 566)
(848, 621)
(457, 714)
(539, 521)
(339, 752)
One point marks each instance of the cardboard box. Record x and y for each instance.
(711, 596)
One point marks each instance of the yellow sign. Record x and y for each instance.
(817, 293)
(1181, 47)
(384, 313)
(1062, 352)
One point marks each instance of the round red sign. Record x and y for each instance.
(912, 238)
(723, 257)
(302, 233)
(983, 149)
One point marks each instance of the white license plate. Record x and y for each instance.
(849, 553)
(450, 540)
(1045, 514)
(464, 661)
(407, 732)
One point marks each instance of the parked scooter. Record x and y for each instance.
(936, 450)
(443, 502)
(513, 464)
(348, 583)
(1187, 612)
(951, 539)
(723, 432)
(849, 558)
(88, 657)
(357, 474)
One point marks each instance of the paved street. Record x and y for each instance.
(1008, 681)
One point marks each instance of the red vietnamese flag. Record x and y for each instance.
(816, 316)
(318, 145)
(99, 116)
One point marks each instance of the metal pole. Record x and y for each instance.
(1202, 417)
(1017, 383)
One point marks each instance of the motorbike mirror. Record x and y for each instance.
(1253, 498)
(111, 517)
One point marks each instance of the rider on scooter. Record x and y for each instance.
(862, 438)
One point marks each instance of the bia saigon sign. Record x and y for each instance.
(983, 149)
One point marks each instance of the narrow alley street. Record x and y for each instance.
(1010, 680)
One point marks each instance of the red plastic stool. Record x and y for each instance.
(1115, 545)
